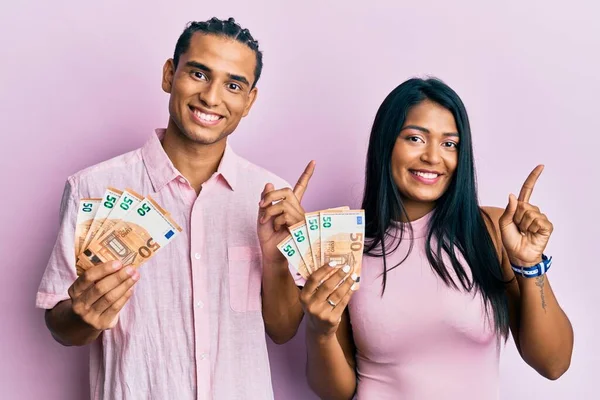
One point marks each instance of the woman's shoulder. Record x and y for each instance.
(491, 216)
(493, 213)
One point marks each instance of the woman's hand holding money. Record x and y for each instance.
(325, 297)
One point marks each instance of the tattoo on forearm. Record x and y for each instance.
(539, 282)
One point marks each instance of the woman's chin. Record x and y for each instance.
(421, 198)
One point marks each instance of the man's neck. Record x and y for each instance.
(196, 162)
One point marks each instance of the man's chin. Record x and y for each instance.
(204, 137)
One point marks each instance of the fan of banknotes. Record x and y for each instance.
(335, 234)
(122, 225)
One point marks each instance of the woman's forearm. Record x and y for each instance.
(545, 332)
(329, 374)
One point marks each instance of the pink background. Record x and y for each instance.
(80, 82)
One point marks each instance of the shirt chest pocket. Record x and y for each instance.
(245, 278)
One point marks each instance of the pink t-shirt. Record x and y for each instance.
(193, 328)
(422, 340)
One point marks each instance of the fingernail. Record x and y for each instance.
(116, 264)
(130, 270)
(346, 269)
(354, 277)
(136, 276)
(358, 279)
(354, 286)
(332, 264)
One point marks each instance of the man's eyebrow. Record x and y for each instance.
(202, 67)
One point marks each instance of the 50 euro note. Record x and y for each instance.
(129, 199)
(142, 232)
(299, 234)
(85, 215)
(342, 237)
(110, 198)
(290, 251)
(313, 231)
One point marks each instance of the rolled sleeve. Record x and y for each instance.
(60, 272)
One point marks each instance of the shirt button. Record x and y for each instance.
(203, 356)
(197, 256)
(200, 304)
(182, 179)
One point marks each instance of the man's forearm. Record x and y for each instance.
(281, 308)
(67, 328)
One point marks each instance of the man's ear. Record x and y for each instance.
(168, 74)
(251, 99)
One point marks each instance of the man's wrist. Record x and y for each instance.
(275, 265)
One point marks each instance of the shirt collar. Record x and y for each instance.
(162, 171)
(228, 167)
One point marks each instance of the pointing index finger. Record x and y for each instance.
(529, 184)
(302, 183)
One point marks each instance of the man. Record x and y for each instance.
(188, 324)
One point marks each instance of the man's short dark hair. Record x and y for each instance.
(215, 26)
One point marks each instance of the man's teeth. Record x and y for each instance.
(426, 175)
(207, 117)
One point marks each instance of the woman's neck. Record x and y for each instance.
(415, 210)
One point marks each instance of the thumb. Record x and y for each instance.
(261, 212)
(509, 213)
(268, 188)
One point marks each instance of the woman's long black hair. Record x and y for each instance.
(457, 223)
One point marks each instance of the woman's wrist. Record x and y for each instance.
(320, 339)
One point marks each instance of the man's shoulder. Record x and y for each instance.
(122, 162)
(118, 166)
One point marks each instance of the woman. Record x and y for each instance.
(438, 292)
